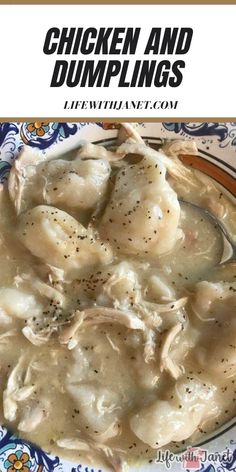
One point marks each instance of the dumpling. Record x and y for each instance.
(143, 213)
(101, 399)
(17, 303)
(175, 420)
(214, 304)
(79, 183)
(206, 293)
(60, 240)
(161, 423)
(99, 408)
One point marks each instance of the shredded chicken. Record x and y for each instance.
(98, 315)
(179, 146)
(49, 292)
(166, 362)
(27, 158)
(73, 443)
(16, 391)
(112, 459)
(36, 338)
(149, 345)
(132, 132)
(175, 168)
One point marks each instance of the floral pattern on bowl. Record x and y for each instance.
(215, 141)
(220, 138)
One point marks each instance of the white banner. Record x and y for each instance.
(117, 61)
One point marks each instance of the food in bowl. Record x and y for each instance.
(117, 318)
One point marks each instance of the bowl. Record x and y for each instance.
(217, 158)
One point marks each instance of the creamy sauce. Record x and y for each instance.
(110, 350)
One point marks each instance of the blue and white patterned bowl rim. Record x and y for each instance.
(215, 140)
